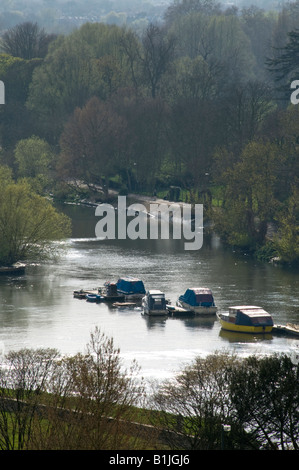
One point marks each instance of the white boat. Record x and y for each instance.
(154, 303)
(199, 300)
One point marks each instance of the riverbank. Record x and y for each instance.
(264, 252)
(17, 268)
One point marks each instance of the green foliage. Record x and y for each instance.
(5, 176)
(267, 252)
(33, 157)
(219, 40)
(6, 61)
(285, 65)
(66, 79)
(28, 224)
(264, 392)
(187, 103)
(256, 397)
(23, 381)
(91, 142)
(15, 120)
(88, 62)
(287, 239)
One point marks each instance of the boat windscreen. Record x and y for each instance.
(204, 298)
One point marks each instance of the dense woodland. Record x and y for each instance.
(200, 100)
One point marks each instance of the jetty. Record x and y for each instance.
(82, 293)
(290, 329)
(124, 304)
(178, 311)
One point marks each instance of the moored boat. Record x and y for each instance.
(246, 319)
(154, 303)
(94, 298)
(110, 292)
(131, 288)
(79, 294)
(199, 300)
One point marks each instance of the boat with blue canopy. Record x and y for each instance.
(131, 288)
(199, 300)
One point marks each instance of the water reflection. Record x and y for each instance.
(38, 309)
(154, 323)
(235, 337)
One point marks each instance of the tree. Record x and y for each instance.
(231, 47)
(24, 376)
(84, 402)
(249, 195)
(257, 397)
(281, 128)
(221, 43)
(88, 62)
(28, 224)
(90, 144)
(16, 120)
(258, 26)
(97, 397)
(110, 75)
(34, 159)
(147, 141)
(285, 64)
(5, 176)
(158, 50)
(264, 393)
(287, 238)
(191, 79)
(67, 78)
(130, 46)
(192, 407)
(26, 40)
(193, 133)
(183, 8)
(245, 106)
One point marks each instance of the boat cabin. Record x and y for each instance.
(156, 300)
(198, 296)
(249, 316)
(130, 286)
(110, 288)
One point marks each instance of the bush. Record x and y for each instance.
(257, 397)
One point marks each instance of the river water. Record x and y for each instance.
(39, 310)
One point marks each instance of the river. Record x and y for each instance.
(38, 310)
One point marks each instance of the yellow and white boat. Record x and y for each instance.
(246, 319)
